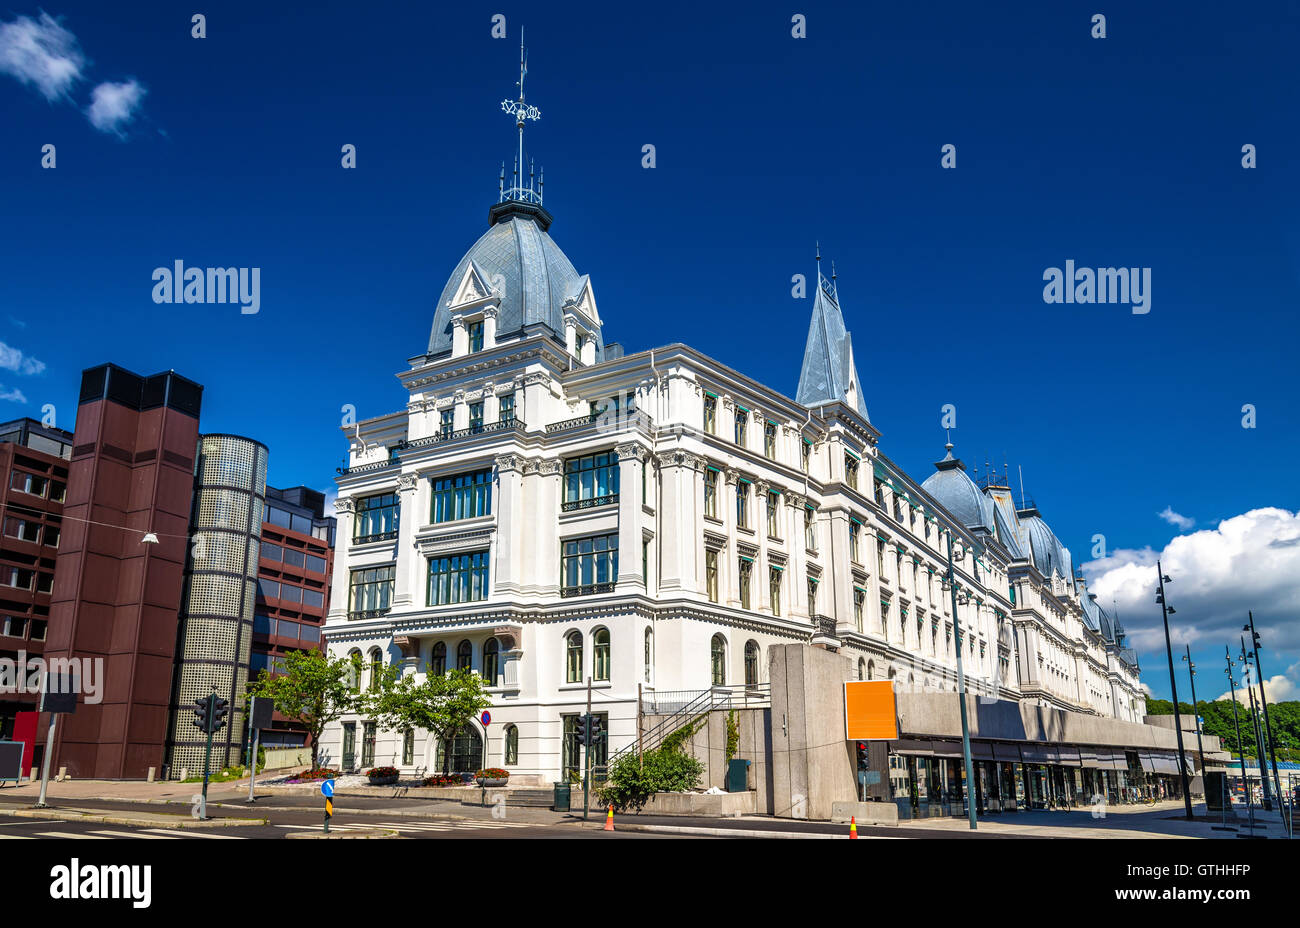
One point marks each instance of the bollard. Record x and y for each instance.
(151, 772)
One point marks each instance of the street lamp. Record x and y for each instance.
(961, 691)
(1196, 708)
(1165, 612)
(1246, 660)
(1241, 753)
(1268, 731)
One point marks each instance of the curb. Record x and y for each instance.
(731, 832)
(341, 835)
(111, 818)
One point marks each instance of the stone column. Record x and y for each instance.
(728, 563)
(491, 405)
(797, 571)
(344, 508)
(460, 418)
(570, 334)
(508, 506)
(679, 509)
(759, 595)
(630, 462)
(459, 338)
(489, 327)
(408, 579)
(545, 556)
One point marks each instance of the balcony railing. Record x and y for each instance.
(511, 424)
(368, 614)
(382, 536)
(575, 504)
(616, 420)
(587, 590)
(824, 626)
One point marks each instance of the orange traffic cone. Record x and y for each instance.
(609, 820)
(853, 828)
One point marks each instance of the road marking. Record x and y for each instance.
(184, 833)
(129, 834)
(69, 834)
(14, 837)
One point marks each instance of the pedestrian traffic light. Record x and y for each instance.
(219, 708)
(580, 730)
(201, 717)
(594, 733)
(862, 755)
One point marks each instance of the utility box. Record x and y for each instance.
(737, 776)
(561, 798)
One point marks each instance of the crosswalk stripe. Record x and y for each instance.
(69, 834)
(14, 837)
(182, 833)
(130, 834)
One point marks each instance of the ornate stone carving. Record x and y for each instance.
(410, 647)
(344, 504)
(731, 475)
(509, 462)
(406, 483)
(678, 459)
(549, 466)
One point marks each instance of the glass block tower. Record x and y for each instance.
(216, 616)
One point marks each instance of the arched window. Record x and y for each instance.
(573, 657)
(751, 663)
(862, 669)
(354, 677)
(376, 667)
(718, 653)
(464, 655)
(512, 745)
(871, 670)
(438, 659)
(491, 661)
(600, 654)
(649, 653)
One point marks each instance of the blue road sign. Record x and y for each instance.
(485, 718)
(327, 788)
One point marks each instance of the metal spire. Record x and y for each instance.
(522, 112)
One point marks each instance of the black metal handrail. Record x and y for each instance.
(368, 614)
(382, 536)
(586, 590)
(575, 504)
(825, 625)
(502, 425)
(747, 696)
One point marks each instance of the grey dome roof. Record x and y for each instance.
(1048, 552)
(537, 278)
(957, 493)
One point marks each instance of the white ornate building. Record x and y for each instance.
(546, 509)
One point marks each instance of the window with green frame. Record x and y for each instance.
(408, 747)
(773, 513)
(589, 565)
(461, 496)
(769, 440)
(368, 744)
(375, 518)
(457, 578)
(475, 332)
(371, 590)
(809, 529)
(855, 529)
(812, 596)
(850, 470)
(718, 660)
(476, 416)
(711, 575)
(859, 607)
(774, 588)
(746, 571)
(742, 503)
(512, 746)
(710, 414)
(600, 654)
(491, 662)
(742, 421)
(590, 480)
(711, 492)
(447, 422)
(573, 657)
(506, 408)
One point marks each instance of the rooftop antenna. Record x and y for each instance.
(522, 112)
(1020, 470)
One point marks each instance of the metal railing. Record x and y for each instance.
(575, 504)
(590, 588)
(825, 625)
(687, 706)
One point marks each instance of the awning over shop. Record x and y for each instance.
(947, 748)
(1088, 758)
(1166, 763)
(1148, 762)
(1007, 752)
(911, 746)
(980, 751)
(1037, 754)
(1068, 756)
(1110, 760)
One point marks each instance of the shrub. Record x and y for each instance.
(493, 773)
(379, 773)
(309, 776)
(633, 780)
(440, 780)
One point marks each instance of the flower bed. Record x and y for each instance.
(311, 776)
(454, 779)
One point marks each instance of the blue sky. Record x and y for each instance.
(1123, 151)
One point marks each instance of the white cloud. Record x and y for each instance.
(15, 396)
(1250, 561)
(1181, 522)
(114, 106)
(41, 53)
(12, 359)
(1276, 689)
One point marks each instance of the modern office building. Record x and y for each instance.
(564, 518)
(293, 589)
(215, 632)
(33, 484)
(116, 592)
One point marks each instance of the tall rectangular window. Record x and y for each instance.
(372, 590)
(855, 529)
(711, 575)
(742, 420)
(774, 588)
(408, 747)
(376, 518)
(859, 606)
(809, 529)
(475, 331)
(458, 578)
(850, 471)
(590, 480)
(805, 455)
(711, 492)
(812, 596)
(710, 414)
(589, 565)
(769, 440)
(773, 511)
(447, 422)
(476, 416)
(746, 571)
(461, 496)
(742, 504)
(507, 408)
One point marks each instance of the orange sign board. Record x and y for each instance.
(869, 711)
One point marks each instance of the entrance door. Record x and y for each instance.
(466, 752)
(349, 745)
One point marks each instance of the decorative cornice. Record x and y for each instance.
(548, 466)
(508, 462)
(406, 483)
(344, 504)
(632, 451)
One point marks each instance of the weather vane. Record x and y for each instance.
(521, 111)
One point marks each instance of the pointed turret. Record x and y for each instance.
(828, 374)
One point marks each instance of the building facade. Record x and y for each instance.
(586, 527)
(33, 486)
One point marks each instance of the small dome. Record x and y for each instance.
(1048, 552)
(536, 277)
(953, 489)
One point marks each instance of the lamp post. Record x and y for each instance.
(1254, 719)
(1173, 688)
(1196, 712)
(1263, 701)
(961, 693)
(1241, 753)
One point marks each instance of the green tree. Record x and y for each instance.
(312, 689)
(442, 704)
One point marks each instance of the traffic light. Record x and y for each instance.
(862, 755)
(593, 729)
(580, 730)
(201, 716)
(219, 708)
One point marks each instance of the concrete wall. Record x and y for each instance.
(709, 746)
(813, 765)
(280, 758)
